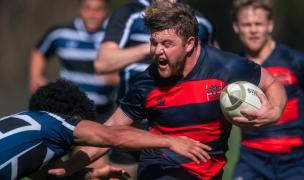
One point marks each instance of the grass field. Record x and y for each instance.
(232, 154)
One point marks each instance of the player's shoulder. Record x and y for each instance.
(221, 63)
(147, 77)
(293, 55)
(214, 54)
(145, 81)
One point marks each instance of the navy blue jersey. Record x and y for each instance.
(77, 50)
(126, 28)
(189, 107)
(287, 65)
(31, 139)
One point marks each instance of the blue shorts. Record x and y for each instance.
(254, 165)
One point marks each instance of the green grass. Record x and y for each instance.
(233, 153)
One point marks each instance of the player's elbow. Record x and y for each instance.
(100, 67)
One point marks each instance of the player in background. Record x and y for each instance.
(126, 48)
(275, 152)
(172, 95)
(53, 125)
(77, 44)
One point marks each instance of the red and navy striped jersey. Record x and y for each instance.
(287, 65)
(189, 106)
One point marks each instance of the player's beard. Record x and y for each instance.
(174, 69)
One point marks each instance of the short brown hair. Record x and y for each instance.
(164, 15)
(241, 4)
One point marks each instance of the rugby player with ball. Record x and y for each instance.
(179, 95)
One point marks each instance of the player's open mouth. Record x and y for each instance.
(254, 38)
(163, 63)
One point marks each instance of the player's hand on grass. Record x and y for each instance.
(190, 148)
(107, 172)
(264, 117)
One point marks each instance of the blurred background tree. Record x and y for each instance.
(24, 22)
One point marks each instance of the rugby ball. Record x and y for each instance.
(238, 95)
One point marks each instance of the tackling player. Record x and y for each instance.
(275, 152)
(172, 95)
(53, 125)
(126, 48)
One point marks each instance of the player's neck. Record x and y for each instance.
(191, 60)
(260, 56)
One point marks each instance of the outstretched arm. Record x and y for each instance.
(271, 109)
(111, 58)
(125, 137)
(89, 133)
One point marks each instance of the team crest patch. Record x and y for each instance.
(284, 75)
(214, 91)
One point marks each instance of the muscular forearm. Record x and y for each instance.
(276, 95)
(132, 138)
(88, 133)
(111, 58)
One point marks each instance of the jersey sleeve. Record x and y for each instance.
(46, 44)
(249, 71)
(119, 27)
(57, 132)
(132, 104)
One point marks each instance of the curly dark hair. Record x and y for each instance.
(63, 97)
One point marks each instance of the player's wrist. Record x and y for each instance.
(168, 142)
(276, 114)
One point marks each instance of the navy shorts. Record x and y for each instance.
(255, 165)
(154, 166)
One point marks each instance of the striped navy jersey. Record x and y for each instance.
(189, 106)
(77, 50)
(126, 28)
(31, 139)
(287, 136)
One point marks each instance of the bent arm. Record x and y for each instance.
(275, 93)
(111, 58)
(271, 109)
(36, 68)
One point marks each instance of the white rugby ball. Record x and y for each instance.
(238, 95)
